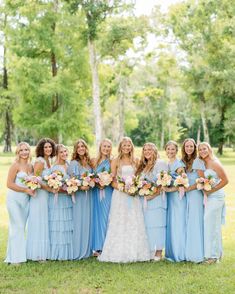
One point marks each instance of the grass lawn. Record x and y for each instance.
(90, 276)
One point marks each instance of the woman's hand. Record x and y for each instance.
(30, 192)
(84, 188)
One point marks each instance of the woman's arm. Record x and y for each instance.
(223, 178)
(114, 183)
(11, 181)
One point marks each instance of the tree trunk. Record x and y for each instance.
(198, 134)
(204, 122)
(95, 91)
(221, 130)
(8, 123)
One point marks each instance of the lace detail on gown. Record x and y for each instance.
(126, 239)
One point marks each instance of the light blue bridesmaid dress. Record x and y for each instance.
(155, 212)
(101, 208)
(194, 248)
(82, 216)
(214, 217)
(38, 241)
(176, 220)
(61, 223)
(18, 208)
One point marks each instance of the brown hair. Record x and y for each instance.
(188, 160)
(18, 150)
(98, 159)
(143, 162)
(75, 155)
(39, 151)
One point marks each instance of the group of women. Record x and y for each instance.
(109, 223)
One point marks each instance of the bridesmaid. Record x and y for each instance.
(195, 167)
(38, 242)
(101, 198)
(215, 206)
(60, 214)
(82, 209)
(155, 212)
(18, 204)
(176, 209)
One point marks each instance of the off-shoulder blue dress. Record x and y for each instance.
(18, 208)
(214, 217)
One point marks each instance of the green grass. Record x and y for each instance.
(90, 276)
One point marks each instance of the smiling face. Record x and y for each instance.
(126, 147)
(171, 151)
(23, 152)
(189, 147)
(203, 151)
(148, 152)
(47, 149)
(81, 149)
(63, 154)
(106, 148)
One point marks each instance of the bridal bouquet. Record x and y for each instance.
(71, 186)
(182, 182)
(55, 181)
(127, 185)
(32, 182)
(206, 185)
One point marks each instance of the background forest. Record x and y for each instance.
(85, 68)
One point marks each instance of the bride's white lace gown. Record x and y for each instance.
(126, 239)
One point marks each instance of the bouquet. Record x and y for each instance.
(71, 186)
(32, 182)
(182, 182)
(55, 181)
(87, 180)
(145, 187)
(103, 179)
(164, 179)
(206, 185)
(127, 185)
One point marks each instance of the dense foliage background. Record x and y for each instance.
(91, 69)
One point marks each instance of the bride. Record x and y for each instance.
(126, 239)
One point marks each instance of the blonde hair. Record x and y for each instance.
(209, 148)
(171, 142)
(131, 154)
(75, 155)
(58, 147)
(98, 159)
(18, 150)
(143, 161)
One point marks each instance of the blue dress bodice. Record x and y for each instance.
(219, 193)
(76, 169)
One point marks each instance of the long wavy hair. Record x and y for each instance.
(143, 161)
(211, 153)
(99, 156)
(18, 151)
(75, 155)
(39, 151)
(131, 154)
(188, 160)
